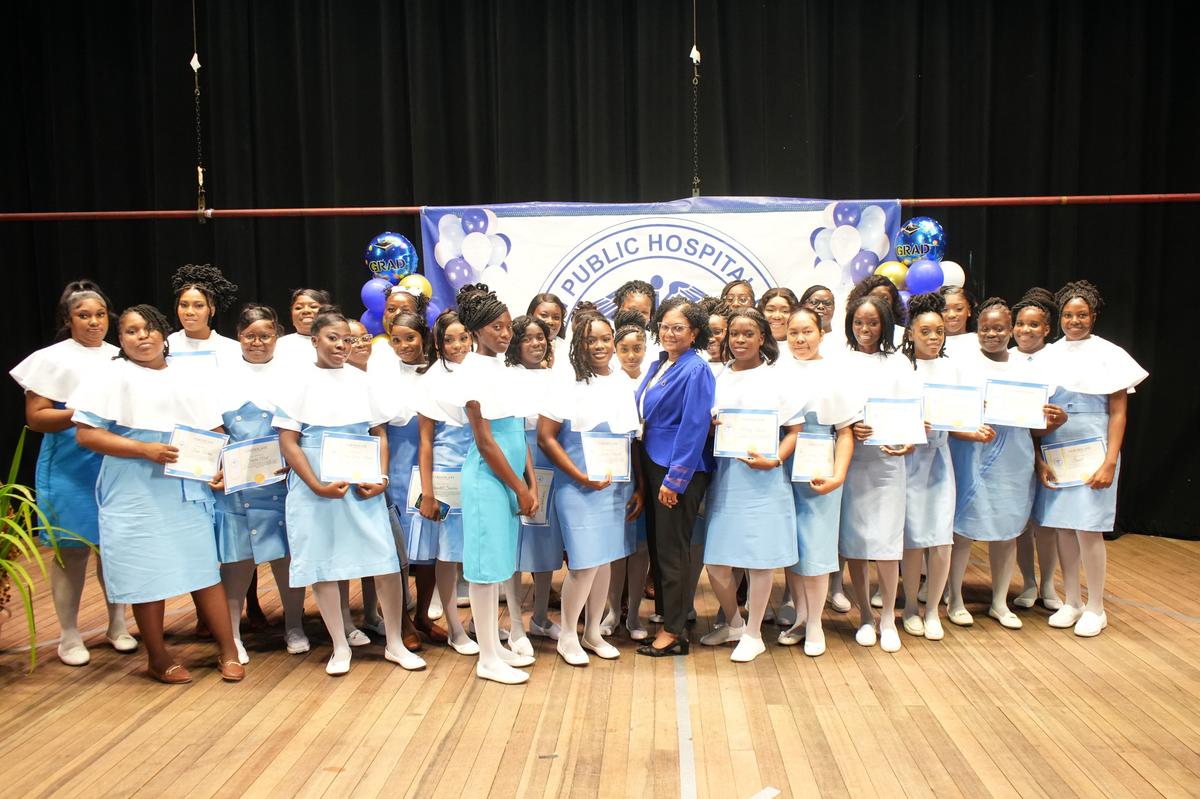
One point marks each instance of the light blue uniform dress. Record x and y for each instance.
(929, 472)
(332, 539)
(539, 546)
(592, 523)
(250, 523)
(1089, 371)
(490, 507)
(828, 409)
(65, 477)
(873, 496)
(994, 481)
(156, 532)
(751, 514)
(399, 382)
(452, 437)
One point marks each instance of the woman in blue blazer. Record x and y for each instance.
(675, 401)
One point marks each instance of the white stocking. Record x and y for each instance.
(1047, 555)
(485, 610)
(594, 608)
(1095, 567)
(813, 599)
(959, 558)
(889, 581)
(66, 586)
(235, 577)
(1025, 561)
(516, 623)
(1000, 557)
(541, 598)
(616, 585)
(446, 573)
(724, 584)
(914, 559)
(1068, 556)
(795, 588)
(292, 599)
(116, 612)
(391, 595)
(329, 603)
(836, 581)
(575, 591)
(939, 572)
(757, 596)
(860, 582)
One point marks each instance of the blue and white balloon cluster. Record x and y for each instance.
(852, 242)
(391, 258)
(917, 266)
(471, 248)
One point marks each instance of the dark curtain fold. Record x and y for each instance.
(456, 102)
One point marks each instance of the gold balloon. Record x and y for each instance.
(419, 283)
(893, 271)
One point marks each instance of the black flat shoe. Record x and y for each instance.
(677, 647)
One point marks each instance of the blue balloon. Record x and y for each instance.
(372, 321)
(863, 265)
(432, 311)
(846, 214)
(390, 256)
(459, 273)
(374, 294)
(920, 238)
(474, 221)
(924, 276)
(905, 297)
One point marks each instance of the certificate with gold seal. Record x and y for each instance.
(199, 453)
(350, 458)
(253, 462)
(954, 408)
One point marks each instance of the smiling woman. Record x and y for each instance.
(201, 290)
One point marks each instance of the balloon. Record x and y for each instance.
(476, 249)
(821, 244)
(390, 255)
(446, 250)
(905, 296)
(459, 273)
(500, 246)
(881, 245)
(871, 222)
(432, 311)
(923, 276)
(844, 243)
(418, 282)
(474, 220)
(827, 216)
(862, 265)
(374, 294)
(450, 229)
(893, 271)
(953, 274)
(846, 214)
(920, 237)
(372, 321)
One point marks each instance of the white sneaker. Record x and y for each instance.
(551, 630)
(296, 642)
(1006, 618)
(748, 649)
(1065, 617)
(243, 657)
(723, 635)
(407, 660)
(357, 637)
(839, 602)
(1090, 624)
(77, 655)
(889, 639)
(865, 635)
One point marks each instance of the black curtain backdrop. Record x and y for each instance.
(451, 102)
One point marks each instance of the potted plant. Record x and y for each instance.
(21, 520)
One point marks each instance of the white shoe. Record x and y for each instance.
(933, 629)
(791, 636)
(375, 626)
(513, 659)
(876, 600)
(923, 592)
(502, 673)
(407, 660)
(839, 602)
(865, 635)
(786, 617)
(601, 648)
(338, 665)
(1065, 617)
(357, 637)
(1027, 598)
(551, 630)
(609, 623)
(243, 657)
(914, 625)
(723, 635)
(814, 645)
(889, 639)
(435, 607)
(123, 642)
(748, 649)
(1051, 601)
(521, 646)
(467, 647)
(962, 617)
(638, 633)
(1006, 618)
(572, 653)
(1090, 624)
(77, 655)
(656, 618)
(296, 642)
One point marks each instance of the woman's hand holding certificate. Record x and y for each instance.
(350, 459)
(740, 432)
(1083, 462)
(199, 453)
(606, 457)
(894, 422)
(954, 408)
(253, 462)
(1015, 404)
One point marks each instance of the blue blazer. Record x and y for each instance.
(677, 418)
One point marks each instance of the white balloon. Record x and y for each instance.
(821, 244)
(450, 229)
(477, 250)
(827, 219)
(445, 251)
(953, 274)
(871, 222)
(499, 251)
(495, 278)
(844, 243)
(881, 245)
(491, 220)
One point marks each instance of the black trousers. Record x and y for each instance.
(669, 538)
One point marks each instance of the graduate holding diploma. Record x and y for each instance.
(1096, 378)
(338, 530)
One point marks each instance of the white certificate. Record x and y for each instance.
(606, 454)
(447, 487)
(1074, 462)
(813, 457)
(955, 408)
(894, 422)
(253, 462)
(742, 430)
(540, 519)
(350, 458)
(1014, 404)
(199, 453)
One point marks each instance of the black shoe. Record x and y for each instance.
(677, 647)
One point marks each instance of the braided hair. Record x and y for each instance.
(512, 356)
(887, 322)
(419, 298)
(990, 304)
(1042, 300)
(478, 306)
(327, 315)
(929, 302)
(207, 279)
(74, 293)
(628, 330)
(579, 339)
(438, 339)
(769, 351)
(630, 317)
(552, 299)
(869, 284)
(1082, 290)
(715, 306)
(155, 321)
(631, 287)
(253, 312)
(417, 324)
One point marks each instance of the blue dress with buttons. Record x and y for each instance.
(432, 540)
(1079, 507)
(592, 523)
(251, 523)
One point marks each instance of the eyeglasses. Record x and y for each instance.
(363, 339)
(820, 303)
(678, 330)
(256, 338)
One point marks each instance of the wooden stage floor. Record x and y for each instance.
(986, 712)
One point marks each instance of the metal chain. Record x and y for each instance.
(200, 197)
(695, 130)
